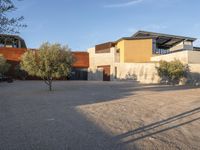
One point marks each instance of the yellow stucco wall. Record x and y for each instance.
(133, 51)
(120, 46)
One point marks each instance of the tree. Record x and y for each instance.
(4, 66)
(172, 71)
(20, 74)
(49, 62)
(9, 25)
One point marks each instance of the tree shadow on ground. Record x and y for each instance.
(160, 126)
(163, 88)
(34, 118)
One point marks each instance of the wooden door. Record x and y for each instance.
(106, 72)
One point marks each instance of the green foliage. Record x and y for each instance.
(4, 67)
(50, 61)
(172, 71)
(20, 74)
(9, 24)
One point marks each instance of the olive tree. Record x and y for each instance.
(4, 66)
(172, 71)
(49, 62)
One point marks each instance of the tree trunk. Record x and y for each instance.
(50, 84)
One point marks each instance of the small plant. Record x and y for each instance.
(172, 72)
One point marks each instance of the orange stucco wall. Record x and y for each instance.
(12, 54)
(135, 51)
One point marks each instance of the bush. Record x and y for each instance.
(172, 72)
(19, 73)
(4, 66)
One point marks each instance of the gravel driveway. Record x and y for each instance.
(80, 115)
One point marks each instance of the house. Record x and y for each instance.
(128, 58)
(135, 57)
(12, 47)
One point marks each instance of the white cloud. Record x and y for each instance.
(125, 4)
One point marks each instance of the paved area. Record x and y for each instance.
(81, 115)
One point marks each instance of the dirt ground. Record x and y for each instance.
(84, 115)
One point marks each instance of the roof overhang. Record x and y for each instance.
(14, 38)
(163, 40)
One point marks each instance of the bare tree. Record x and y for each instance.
(9, 24)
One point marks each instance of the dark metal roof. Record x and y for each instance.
(163, 40)
(14, 37)
(8, 35)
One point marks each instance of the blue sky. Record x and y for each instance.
(81, 24)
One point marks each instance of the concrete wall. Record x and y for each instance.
(142, 72)
(194, 75)
(135, 51)
(100, 59)
(186, 57)
(182, 56)
(147, 73)
(182, 45)
(194, 57)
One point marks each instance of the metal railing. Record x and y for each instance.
(166, 51)
(159, 51)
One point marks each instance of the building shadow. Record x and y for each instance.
(160, 126)
(34, 118)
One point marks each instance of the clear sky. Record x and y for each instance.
(81, 24)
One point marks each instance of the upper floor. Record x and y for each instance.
(143, 45)
(11, 41)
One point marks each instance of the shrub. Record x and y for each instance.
(19, 73)
(4, 66)
(172, 71)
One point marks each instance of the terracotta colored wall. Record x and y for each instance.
(104, 48)
(12, 54)
(82, 59)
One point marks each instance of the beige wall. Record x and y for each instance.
(194, 57)
(141, 72)
(133, 51)
(147, 73)
(186, 57)
(182, 56)
(100, 59)
(182, 45)
(195, 73)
